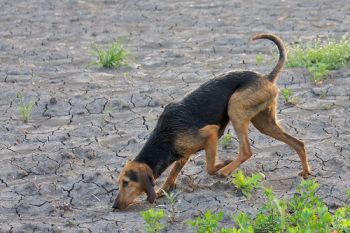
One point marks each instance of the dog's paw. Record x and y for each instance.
(305, 174)
(219, 166)
(160, 193)
(222, 174)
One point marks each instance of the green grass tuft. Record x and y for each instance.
(247, 184)
(209, 223)
(226, 140)
(153, 219)
(25, 110)
(304, 212)
(112, 58)
(320, 57)
(259, 59)
(288, 97)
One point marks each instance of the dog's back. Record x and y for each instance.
(207, 105)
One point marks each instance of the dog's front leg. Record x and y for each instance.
(211, 149)
(244, 152)
(171, 180)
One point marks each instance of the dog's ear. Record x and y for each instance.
(147, 183)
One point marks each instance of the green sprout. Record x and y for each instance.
(112, 58)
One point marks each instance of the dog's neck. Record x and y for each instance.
(158, 155)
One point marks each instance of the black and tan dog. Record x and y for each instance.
(199, 120)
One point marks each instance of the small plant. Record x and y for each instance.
(153, 219)
(247, 184)
(320, 57)
(71, 223)
(107, 115)
(259, 59)
(172, 200)
(327, 106)
(307, 211)
(304, 212)
(244, 222)
(25, 109)
(323, 94)
(126, 75)
(209, 223)
(112, 58)
(341, 219)
(288, 98)
(272, 216)
(226, 141)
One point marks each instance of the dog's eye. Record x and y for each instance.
(125, 183)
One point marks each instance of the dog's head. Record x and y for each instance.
(134, 179)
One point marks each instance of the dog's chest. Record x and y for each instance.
(187, 144)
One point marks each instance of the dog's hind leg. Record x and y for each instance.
(210, 133)
(171, 180)
(242, 107)
(266, 123)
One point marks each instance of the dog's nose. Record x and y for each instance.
(116, 204)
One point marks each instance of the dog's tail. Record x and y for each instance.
(283, 54)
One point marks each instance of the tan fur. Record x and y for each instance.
(171, 180)
(128, 194)
(187, 144)
(257, 104)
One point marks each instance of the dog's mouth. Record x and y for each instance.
(119, 206)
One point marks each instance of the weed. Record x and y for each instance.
(25, 109)
(320, 57)
(172, 200)
(107, 115)
(304, 212)
(112, 58)
(305, 196)
(327, 106)
(259, 59)
(226, 141)
(272, 216)
(341, 219)
(244, 222)
(71, 223)
(288, 98)
(126, 75)
(153, 219)
(247, 184)
(323, 94)
(307, 211)
(209, 223)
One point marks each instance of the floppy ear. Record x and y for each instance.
(147, 183)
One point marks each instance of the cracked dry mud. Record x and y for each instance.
(58, 172)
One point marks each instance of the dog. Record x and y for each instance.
(199, 120)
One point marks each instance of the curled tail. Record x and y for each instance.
(283, 54)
